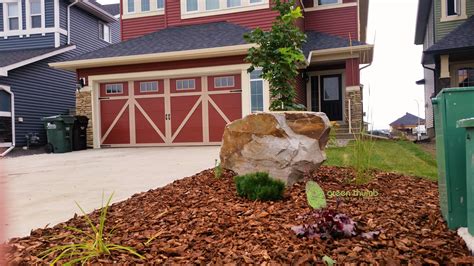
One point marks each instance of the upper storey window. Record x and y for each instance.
(13, 15)
(328, 2)
(202, 8)
(453, 10)
(143, 8)
(35, 8)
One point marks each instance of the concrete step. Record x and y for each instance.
(345, 136)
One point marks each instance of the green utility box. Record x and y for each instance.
(451, 105)
(59, 133)
(469, 125)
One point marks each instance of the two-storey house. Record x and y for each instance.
(34, 33)
(445, 28)
(179, 76)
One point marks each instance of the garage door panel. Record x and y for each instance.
(120, 132)
(181, 107)
(155, 110)
(192, 130)
(223, 108)
(109, 110)
(216, 125)
(145, 132)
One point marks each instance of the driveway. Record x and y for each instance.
(41, 189)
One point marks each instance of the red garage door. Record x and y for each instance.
(169, 112)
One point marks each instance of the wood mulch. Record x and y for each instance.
(200, 219)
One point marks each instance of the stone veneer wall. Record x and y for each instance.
(84, 107)
(357, 110)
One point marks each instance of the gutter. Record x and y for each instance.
(69, 20)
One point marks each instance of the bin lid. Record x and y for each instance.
(65, 118)
(468, 122)
(450, 90)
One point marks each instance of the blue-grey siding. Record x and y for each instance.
(63, 14)
(49, 13)
(39, 91)
(115, 31)
(34, 41)
(1, 19)
(85, 32)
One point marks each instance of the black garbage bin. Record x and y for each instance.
(79, 135)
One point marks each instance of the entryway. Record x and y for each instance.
(325, 95)
(7, 131)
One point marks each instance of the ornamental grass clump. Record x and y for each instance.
(259, 186)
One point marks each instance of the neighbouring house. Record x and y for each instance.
(34, 33)
(179, 75)
(445, 29)
(408, 124)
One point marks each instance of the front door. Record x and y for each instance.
(326, 96)
(6, 118)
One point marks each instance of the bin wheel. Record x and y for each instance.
(49, 148)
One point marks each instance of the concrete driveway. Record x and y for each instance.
(41, 189)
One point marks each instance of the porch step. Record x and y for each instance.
(345, 136)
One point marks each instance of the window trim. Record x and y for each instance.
(6, 18)
(104, 25)
(316, 3)
(454, 68)
(141, 6)
(223, 87)
(29, 25)
(263, 90)
(444, 11)
(137, 13)
(114, 93)
(160, 8)
(223, 9)
(185, 89)
(149, 82)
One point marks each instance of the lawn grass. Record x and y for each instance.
(392, 156)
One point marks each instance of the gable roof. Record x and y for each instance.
(96, 9)
(408, 120)
(424, 8)
(461, 38)
(113, 9)
(320, 41)
(18, 58)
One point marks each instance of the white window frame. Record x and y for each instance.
(137, 12)
(149, 6)
(107, 37)
(149, 89)
(182, 87)
(11, 114)
(29, 25)
(223, 9)
(134, 7)
(6, 17)
(263, 90)
(160, 8)
(229, 85)
(462, 10)
(316, 3)
(120, 91)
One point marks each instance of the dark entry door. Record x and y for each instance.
(331, 96)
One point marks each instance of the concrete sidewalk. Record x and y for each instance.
(41, 189)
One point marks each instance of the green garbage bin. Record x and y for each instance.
(451, 105)
(469, 125)
(59, 133)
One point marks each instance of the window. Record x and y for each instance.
(191, 5)
(453, 8)
(233, 3)
(36, 14)
(328, 2)
(466, 77)
(114, 89)
(145, 5)
(131, 6)
(151, 86)
(104, 32)
(224, 82)
(256, 91)
(160, 4)
(13, 16)
(212, 4)
(185, 84)
(331, 88)
(255, 1)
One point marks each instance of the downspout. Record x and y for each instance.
(69, 21)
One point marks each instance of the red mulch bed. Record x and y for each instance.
(200, 219)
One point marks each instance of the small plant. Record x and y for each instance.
(259, 186)
(361, 157)
(332, 134)
(91, 244)
(217, 169)
(328, 261)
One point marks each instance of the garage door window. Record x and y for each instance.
(149, 86)
(224, 82)
(185, 84)
(114, 88)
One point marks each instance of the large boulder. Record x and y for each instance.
(285, 144)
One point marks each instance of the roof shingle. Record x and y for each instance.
(408, 120)
(16, 56)
(461, 37)
(321, 41)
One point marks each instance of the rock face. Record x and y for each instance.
(285, 144)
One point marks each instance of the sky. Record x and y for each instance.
(389, 83)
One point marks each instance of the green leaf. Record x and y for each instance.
(315, 195)
(328, 261)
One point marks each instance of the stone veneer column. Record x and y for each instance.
(354, 94)
(84, 107)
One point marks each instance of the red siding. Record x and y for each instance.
(136, 27)
(352, 72)
(338, 21)
(300, 87)
(221, 61)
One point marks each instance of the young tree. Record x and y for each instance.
(279, 53)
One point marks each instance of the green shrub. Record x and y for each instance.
(259, 186)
